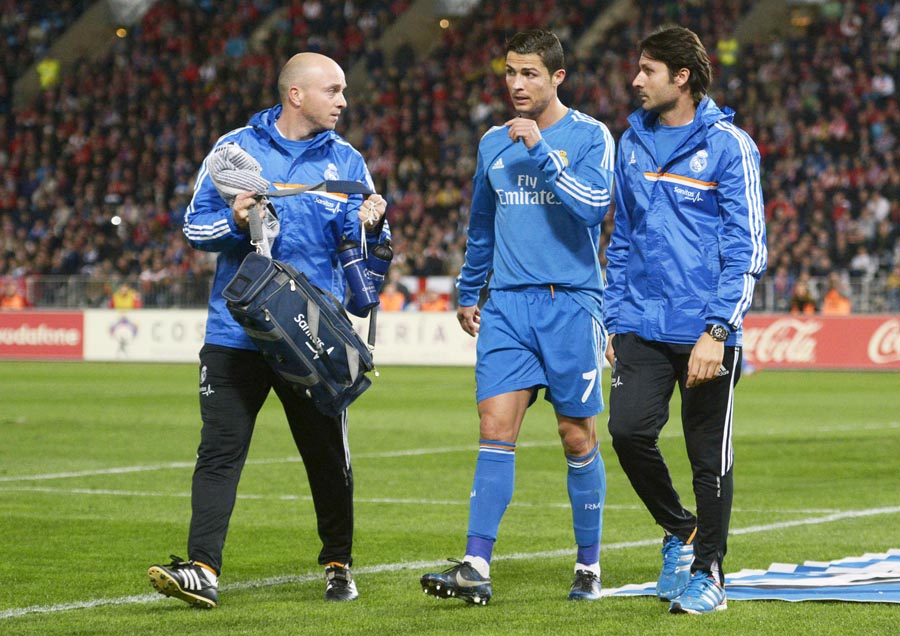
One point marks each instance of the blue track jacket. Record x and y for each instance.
(312, 223)
(536, 213)
(689, 241)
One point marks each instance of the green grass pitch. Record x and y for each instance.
(96, 461)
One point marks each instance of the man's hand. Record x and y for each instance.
(469, 319)
(610, 353)
(241, 209)
(524, 130)
(706, 360)
(371, 211)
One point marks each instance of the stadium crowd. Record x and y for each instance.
(27, 31)
(96, 173)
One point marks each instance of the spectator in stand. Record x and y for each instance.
(125, 297)
(783, 283)
(780, 208)
(727, 49)
(835, 302)
(12, 298)
(433, 301)
(863, 265)
(391, 298)
(802, 301)
(893, 289)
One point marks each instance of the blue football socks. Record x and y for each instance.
(586, 482)
(492, 490)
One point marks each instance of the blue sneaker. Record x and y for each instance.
(462, 581)
(702, 596)
(676, 568)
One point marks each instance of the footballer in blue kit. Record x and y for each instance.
(542, 186)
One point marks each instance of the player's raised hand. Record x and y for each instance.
(524, 130)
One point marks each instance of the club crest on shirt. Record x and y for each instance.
(563, 156)
(331, 173)
(699, 161)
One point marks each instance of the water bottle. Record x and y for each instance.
(362, 294)
(377, 264)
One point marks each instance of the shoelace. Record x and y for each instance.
(698, 584)
(453, 567)
(671, 550)
(459, 564)
(585, 580)
(177, 561)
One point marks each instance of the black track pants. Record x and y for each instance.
(234, 384)
(643, 380)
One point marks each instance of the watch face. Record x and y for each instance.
(718, 332)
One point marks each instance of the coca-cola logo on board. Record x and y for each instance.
(785, 340)
(884, 345)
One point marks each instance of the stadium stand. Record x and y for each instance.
(28, 28)
(119, 138)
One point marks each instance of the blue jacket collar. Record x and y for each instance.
(708, 113)
(264, 123)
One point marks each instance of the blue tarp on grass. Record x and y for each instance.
(870, 578)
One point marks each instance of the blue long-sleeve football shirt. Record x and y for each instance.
(536, 213)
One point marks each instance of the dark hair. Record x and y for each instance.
(544, 43)
(680, 48)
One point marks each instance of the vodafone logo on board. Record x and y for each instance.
(35, 334)
(40, 335)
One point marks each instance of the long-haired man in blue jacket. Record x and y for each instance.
(295, 144)
(688, 246)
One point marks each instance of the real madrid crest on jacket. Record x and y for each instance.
(695, 267)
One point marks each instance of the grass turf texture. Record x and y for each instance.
(95, 466)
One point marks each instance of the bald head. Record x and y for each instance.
(302, 69)
(311, 87)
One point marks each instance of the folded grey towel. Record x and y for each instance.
(233, 171)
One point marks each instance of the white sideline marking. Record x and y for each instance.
(99, 471)
(409, 565)
(837, 516)
(373, 500)
(253, 462)
(671, 432)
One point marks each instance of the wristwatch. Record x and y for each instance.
(718, 332)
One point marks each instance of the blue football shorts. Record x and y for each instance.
(531, 338)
